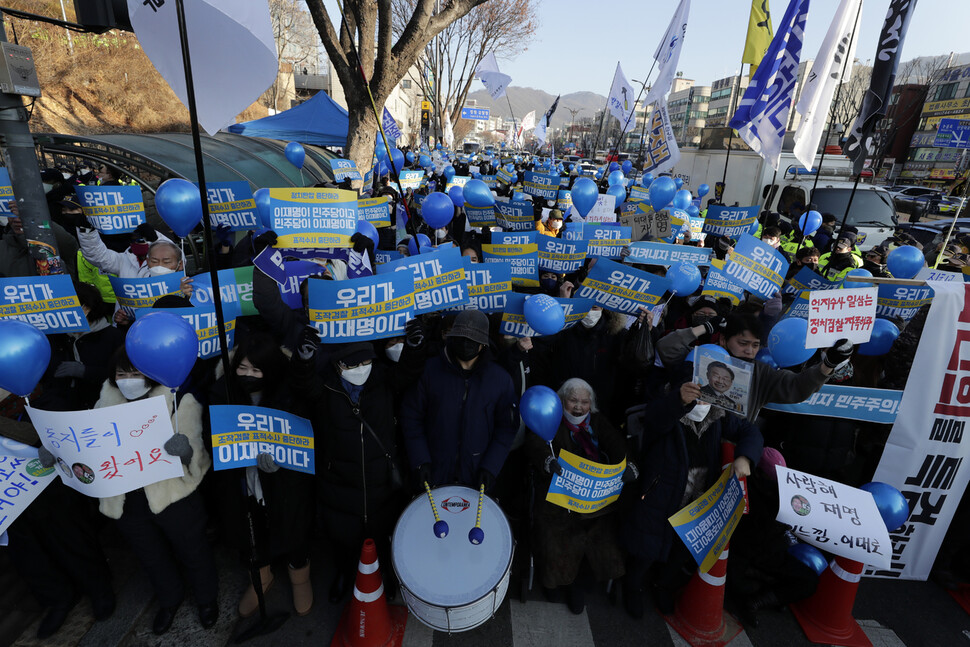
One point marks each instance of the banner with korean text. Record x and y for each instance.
(706, 524)
(373, 307)
(22, 479)
(112, 209)
(756, 267)
(521, 252)
(48, 303)
(489, 286)
(620, 288)
(232, 204)
(309, 217)
(241, 433)
(439, 279)
(133, 294)
(585, 486)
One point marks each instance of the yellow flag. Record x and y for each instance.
(759, 36)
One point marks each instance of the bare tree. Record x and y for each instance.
(846, 109)
(925, 70)
(366, 31)
(296, 45)
(450, 60)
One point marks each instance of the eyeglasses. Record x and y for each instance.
(347, 367)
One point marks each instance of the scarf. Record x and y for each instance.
(582, 435)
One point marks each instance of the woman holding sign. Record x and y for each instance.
(566, 539)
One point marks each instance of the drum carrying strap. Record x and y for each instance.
(394, 473)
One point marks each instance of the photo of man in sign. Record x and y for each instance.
(720, 379)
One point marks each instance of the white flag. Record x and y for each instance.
(661, 151)
(540, 131)
(529, 122)
(232, 49)
(489, 74)
(668, 53)
(622, 99)
(448, 135)
(819, 87)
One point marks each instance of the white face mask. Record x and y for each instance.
(47, 187)
(133, 387)
(159, 270)
(591, 318)
(3, 221)
(574, 420)
(699, 412)
(357, 375)
(441, 233)
(555, 224)
(394, 351)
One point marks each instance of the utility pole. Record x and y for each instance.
(573, 112)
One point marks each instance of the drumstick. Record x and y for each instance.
(476, 535)
(440, 527)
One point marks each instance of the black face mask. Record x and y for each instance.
(698, 320)
(549, 285)
(249, 383)
(463, 349)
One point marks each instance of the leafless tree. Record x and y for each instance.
(846, 108)
(296, 45)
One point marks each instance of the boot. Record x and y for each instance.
(302, 591)
(249, 605)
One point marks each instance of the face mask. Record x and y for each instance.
(698, 320)
(463, 349)
(357, 375)
(441, 233)
(699, 412)
(591, 318)
(548, 284)
(3, 221)
(159, 270)
(555, 224)
(574, 420)
(249, 383)
(133, 388)
(139, 249)
(550, 203)
(394, 351)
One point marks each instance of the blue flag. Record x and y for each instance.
(762, 116)
(390, 127)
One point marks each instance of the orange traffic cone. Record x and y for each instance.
(962, 596)
(699, 616)
(367, 621)
(826, 617)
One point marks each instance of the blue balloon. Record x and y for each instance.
(703, 190)
(584, 195)
(618, 191)
(809, 222)
(163, 346)
(179, 204)
(397, 158)
(449, 172)
(626, 167)
(858, 272)
(544, 314)
(684, 278)
(437, 147)
(409, 156)
(679, 182)
(693, 211)
(424, 161)
(905, 262)
(884, 333)
(572, 167)
(681, 199)
(614, 167)
(25, 353)
(379, 148)
(615, 177)
(786, 342)
(810, 556)
(295, 154)
(646, 180)
(421, 240)
(457, 195)
(599, 174)
(261, 197)
(541, 410)
(477, 194)
(510, 167)
(662, 191)
(437, 210)
(710, 349)
(382, 168)
(369, 230)
(891, 503)
(764, 356)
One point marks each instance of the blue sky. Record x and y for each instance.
(579, 41)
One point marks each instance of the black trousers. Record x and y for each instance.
(179, 529)
(54, 546)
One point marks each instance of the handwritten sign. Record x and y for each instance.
(585, 486)
(647, 222)
(603, 211)
(840, 314)
(240, 434)
(22, 479)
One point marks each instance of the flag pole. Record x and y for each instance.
(643, 86)
(734, 107)
(838, 94)
(511, 112)
(949, 233)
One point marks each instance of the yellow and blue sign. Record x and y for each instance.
(235, 288)
(902, 301)
(136, 293)
(232, 204)
(439, 279)
(520, 251)
(313, 217)
(585, 486)
(719, 285)
(376, 211)
(48, 303)
(541, 185)
(731, 221)
(505, 177)
(489, 286)
(240, 434)
(480, 216)
(514, 215)
(560, 256)
(6, 192)
(344, 169)
(655, 253)
(411, 179)
(806, 279)
(112, 209)
(606, 240)
(617, 287)
(706, 525)
(371, 307)
(514, 322)
(756, 266)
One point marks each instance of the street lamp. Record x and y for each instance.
(643, 129)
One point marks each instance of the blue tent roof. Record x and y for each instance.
(319, 120)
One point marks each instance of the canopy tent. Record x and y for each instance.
(318, 120)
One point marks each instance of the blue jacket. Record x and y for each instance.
(460, 421)
(664, 466)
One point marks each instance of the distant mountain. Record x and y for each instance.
(525, 100)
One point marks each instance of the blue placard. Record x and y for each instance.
(617, 287)
(383, 256)
(807, 279)
(376, 211)
(953, 133)
(560, 256)
(457, 180)
(666, 254)
(515, 324)
(133, 294)
(639, 194)
(731, 221)
(479, 216)
(521, 251)
(390, 126)
(232, 204)
(240, 434)
(706, 524)
(606, 240)
(514, 215)
(203, 320)
(6, 192)
(541, 185)
(489, 286)
(756, 266)
(270, 261)
(720, 286)
(439, 279)
(564, 202)
(505, 177)
(847, 402)
(344, 169)
(313, 217)
(235, 289)
(475, 114)
(902, 301)
(372, 307)
(411, 179)
(799, 307)
(491, 181)
(296, 273)
(48, 303)
(573, 231)
(112, 209)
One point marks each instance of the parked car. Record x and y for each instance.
(921, 200)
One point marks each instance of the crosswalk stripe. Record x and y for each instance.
(741, 640)
(539, 624)
(880, 636)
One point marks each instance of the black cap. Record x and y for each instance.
(471, 324)
(353, 353)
